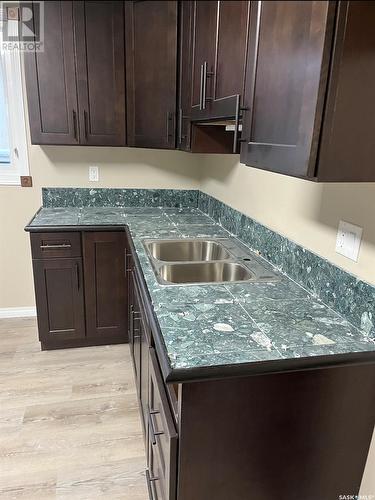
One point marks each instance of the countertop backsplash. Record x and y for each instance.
(345, 293)
(117, 197)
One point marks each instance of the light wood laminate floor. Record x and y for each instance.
(69, 421)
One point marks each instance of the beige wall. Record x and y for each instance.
(304, 211)
(68, 166)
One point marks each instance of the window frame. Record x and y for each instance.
(14, 94)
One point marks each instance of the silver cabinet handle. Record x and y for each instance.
(85, 123)
(56, 247)
(131, 323)
(243, 139)
(77, 276)
(128, 268)
(169, 121)
(204, 85)
(236, 124)
(180, 126)
(153, 432)
(149, 481)
(201, 90)
(75, 128)
(134, 316)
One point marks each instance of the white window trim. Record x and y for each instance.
(19, 161)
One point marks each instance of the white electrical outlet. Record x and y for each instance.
(94, 174)
(348, 240)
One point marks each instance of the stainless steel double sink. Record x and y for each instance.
(203, 261)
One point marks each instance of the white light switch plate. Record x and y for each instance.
(94, 174)
(348, 240)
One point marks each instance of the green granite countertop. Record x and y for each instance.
(205, 326)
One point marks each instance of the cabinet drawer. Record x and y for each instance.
(161, 474)
(54, 245)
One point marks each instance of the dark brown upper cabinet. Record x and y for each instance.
(100, 70)
(76, 87)
(151, 73)
(51, 81)
(212, 74)
(288, 59)
(203, 55)
(347, 146)
(219, 46)
(310, 111)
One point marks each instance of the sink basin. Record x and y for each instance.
(187, 250)
(204, 261)
(204, 272)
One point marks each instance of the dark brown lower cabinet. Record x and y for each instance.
(139, 340)
(144, 348)
(285, 436)
(155, 409)
(162, 443)
(135, 349)
(80, 288)
(59, 299)
(291, 436)
(105, 284)
(136, 341)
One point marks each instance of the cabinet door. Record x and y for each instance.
(131, 299)
(51, 80)
(203, 55)
(151, 62)
(101, 72)
(230, 63)
(105, 284)
(184, 127)
(141, 345)
(288, 58)
(134, 334)
(144, 370)
(59, 299)
(347, 149)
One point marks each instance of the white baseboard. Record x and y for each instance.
(17, 312)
